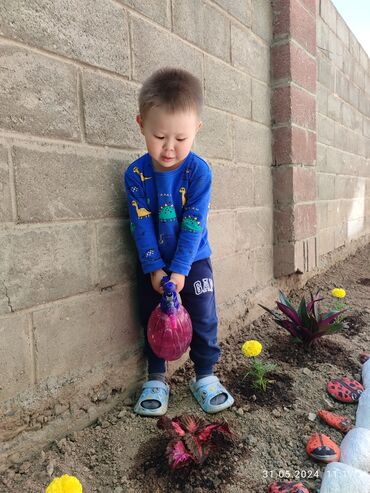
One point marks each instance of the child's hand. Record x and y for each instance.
(179, 280)
(156, 278)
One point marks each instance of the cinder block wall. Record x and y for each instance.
(70, 73)
(343, 131)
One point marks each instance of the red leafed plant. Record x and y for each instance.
(192, 439)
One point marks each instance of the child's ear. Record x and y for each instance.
(200, 125)
(140, 122)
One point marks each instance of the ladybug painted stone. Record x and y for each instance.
(364, 357)
(345, 389)
(287, 487)
(341, 423)
(322, 448)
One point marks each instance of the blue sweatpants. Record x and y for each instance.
(198, 298)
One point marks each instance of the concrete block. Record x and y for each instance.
(233, 270)
(239, 190)
(83, 332)
(254, 228)
(303, 26)
(322, 215)
(364, 59)
(355, 449)
(342, 478)
(110, 108)
(359, 76)
(261, 103)
(350, 117)
(221, 227)
(293, 184)
(157, 10)
(341, 85)
(326, 240)
(293, 145)
(93, 31)
(292, 104)
(334, 107)
(354, 46)
(253, 143)
(5, 197)
(40, 264)
(322, 35)
(326, 74)
(39, 94)
(340, 235)
(325, 130)
(329, 14)
(241, 9)
(263, 268)
(366, 127)
(214, 139)
(322, 99)
(165, 50)
(16, 365)
(263, 195)
(116, 252)
(322, 157)
(342, 30)
(49, 183)
(262, 19)
(227, 89)
(353, 95)
(249, 54)
(203, 25)
(325, 186)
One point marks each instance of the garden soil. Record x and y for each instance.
(124, 453)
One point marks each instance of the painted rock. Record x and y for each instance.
(287, 487)
(345, 389)
(341, 423)
(322, 448)
(364, 357)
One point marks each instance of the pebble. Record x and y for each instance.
(240, 411)
(276, 413)
(122, 414)
(311, 416)
(307, 371)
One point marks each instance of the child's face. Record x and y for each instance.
(168, 136)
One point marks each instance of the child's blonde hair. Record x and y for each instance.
(174, 89)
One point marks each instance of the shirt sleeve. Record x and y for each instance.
(194, 221)
(142, 224)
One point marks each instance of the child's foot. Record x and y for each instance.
(153, 400)
(211, 394)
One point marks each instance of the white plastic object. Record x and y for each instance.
(342, 478)
(355, 449)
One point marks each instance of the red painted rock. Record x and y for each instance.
(322, 448)
(364, 357)
(287, 487)
(341, 423)
(345, 389)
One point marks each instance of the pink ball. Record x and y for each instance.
(169, 336)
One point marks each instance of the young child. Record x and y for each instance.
(168, 191)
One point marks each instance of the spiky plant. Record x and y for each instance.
(192, 439)
(307, 323)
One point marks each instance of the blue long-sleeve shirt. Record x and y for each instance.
(168, 213)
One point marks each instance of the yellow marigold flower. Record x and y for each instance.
(64, 484)
(338, 293)
(251, 348)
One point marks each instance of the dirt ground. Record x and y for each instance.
(122, 452)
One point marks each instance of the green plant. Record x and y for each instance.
(258, 372)
(307, 323)
(192, 439)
